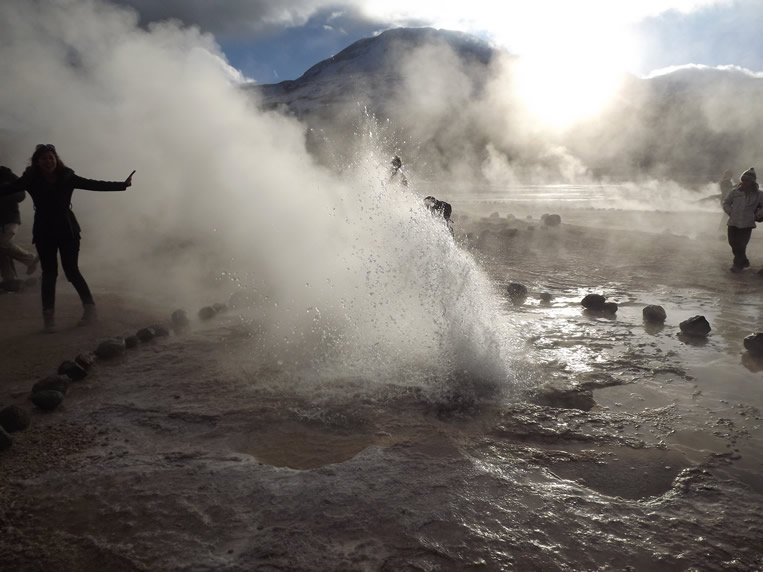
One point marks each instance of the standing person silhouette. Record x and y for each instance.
(744, 205)
(56, 231)
(10, 220)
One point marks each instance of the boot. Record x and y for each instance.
(89, 316)
(49, 321)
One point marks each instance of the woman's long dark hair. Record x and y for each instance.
(45, 148)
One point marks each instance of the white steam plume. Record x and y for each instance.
(346, 267)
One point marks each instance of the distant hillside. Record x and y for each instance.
(444, 101)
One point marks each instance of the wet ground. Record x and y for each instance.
(205, 452)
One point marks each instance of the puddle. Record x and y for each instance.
(625, 472)
(304, 446)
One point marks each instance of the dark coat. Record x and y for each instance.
(53, 215)
(9, 204)
(442, 208)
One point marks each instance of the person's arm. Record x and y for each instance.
(727, 202)
(94, 185)
(12, 184)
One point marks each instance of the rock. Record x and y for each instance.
(654, 313)
(180, 322)
(58, 383)
(145, 334)
(593, 302)
(754, 343)
(14, 418)
(48, 399)
(220, 308)
(111, 348)
(131, 342)
(695, 326)
(5, 440)
(494, 215)
(160, 330)
(517, 292)
(609, 308)
(207, 313)
(551, 219)
(72, 370)
(545, 297)
(564, 397)
(85, 361)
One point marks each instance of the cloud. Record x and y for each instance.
(225, 17)
(731, 68)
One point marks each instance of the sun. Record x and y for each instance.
(571, 76)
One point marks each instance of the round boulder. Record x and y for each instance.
(754, 343)
(593, 302)
(517, 292)
(48, 399)
(160, 330)
(609, 308)
(58, 383)
(72, 370)
(85, 361)
(696, 326)
(551, 219)
(207, 313)
(111, 348)
(14, 418)
(145, 334)
(654, 314)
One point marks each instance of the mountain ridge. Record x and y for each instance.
(440, 90)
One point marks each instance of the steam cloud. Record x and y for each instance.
(345, 268)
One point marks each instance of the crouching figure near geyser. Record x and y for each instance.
(440, 209)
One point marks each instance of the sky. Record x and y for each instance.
(270, 42)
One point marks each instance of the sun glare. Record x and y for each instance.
(571, 73)
(558, 92)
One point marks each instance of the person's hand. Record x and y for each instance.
(128, 180)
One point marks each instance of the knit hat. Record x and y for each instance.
(749, 175)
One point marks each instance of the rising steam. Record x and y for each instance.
(343, 266)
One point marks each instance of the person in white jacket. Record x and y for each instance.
(744, 205)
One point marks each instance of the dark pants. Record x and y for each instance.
(738, 239)
(47, 250)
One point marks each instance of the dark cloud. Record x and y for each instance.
(229, 18)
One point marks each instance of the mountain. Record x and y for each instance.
(368, 71)
(447, 102)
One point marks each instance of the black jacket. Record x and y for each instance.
(442, 208)
(9, 204)
(53, 215)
